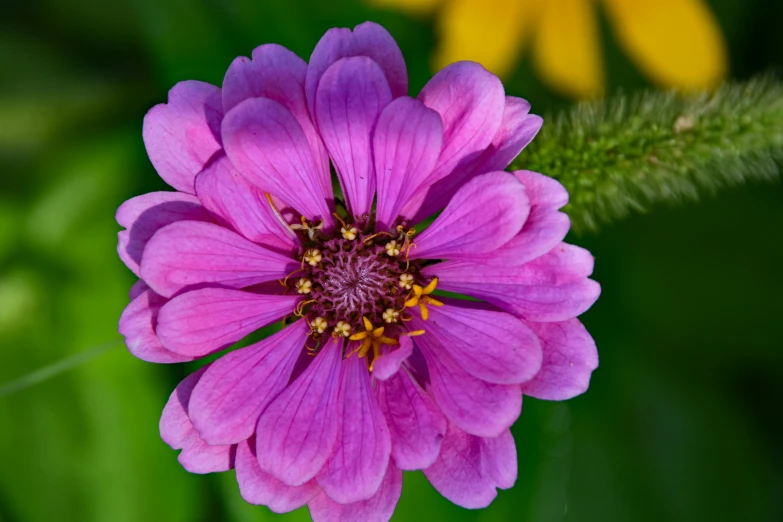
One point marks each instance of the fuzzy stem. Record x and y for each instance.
(630, 152)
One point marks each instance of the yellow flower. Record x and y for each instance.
(676, 43)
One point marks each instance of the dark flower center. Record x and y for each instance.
(351, 274)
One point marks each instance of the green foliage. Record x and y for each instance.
(630, 152)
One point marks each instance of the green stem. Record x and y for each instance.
(47, 372)
(628, 153)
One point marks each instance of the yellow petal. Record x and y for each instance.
(417, 7)
(491, 32)
(677, 43)
(567, 48)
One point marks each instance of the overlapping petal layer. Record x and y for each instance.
(254, 234)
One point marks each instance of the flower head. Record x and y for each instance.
(252, 235)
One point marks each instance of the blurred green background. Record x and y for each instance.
(682, 421)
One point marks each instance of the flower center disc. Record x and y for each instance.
(355, 279)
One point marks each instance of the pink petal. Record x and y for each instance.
(545, 226)
(231, 395)
(357, 466)
(368, 39)
(177, 431)
(469, 469)
(484, 214)
(199, 457)
(415, 422)
(223, 191)
(478, 407)
(570, 357)
(203, 321)
(144, 215)
(137, 325)
(499, 459)
(298, 430)
(183, 134)
(553, 287)
(278, 74)
(261, 488)
(378, 508)
(389, 363)
(406, 145)
(491, 346)
(470, 101)
(350, 96)
(268, 146)
(516, 131)
(189, 253)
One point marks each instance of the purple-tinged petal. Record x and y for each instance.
(491, 346)
(470, 101)
(190, 253)
(484, 214)
(499, 459)
(516, 131)
(570, 357)
(553, 287)
(203, 321)
(545, 226)
(199, 457)
(562, 264)
(260, 488)
(176, 430)
(138, 288)
(351, 95)
(144, 215)
(298, 430)
(415, 422)
(478, 407)
(368, 39)
(406, 145)
(278, 74)
(469, 469)
(184, 133)
(378, 508)
(137, 325)
(361, 455)
(175, 426)
(224, 192)
(267, 145)
(231, 395)
(388, 364)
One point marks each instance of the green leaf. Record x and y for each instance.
(630, 152)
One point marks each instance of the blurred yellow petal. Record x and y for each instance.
(677, 43)
(418, 7)
(567, 49)
(491, 32)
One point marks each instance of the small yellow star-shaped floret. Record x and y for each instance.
(319, 325)
(406, 281)
(422, 298)
(391, 316)
(305, 226)
(342, 329)
(349, 232)
(312, 256)
(392, 248)
(372, 338)
(304, 286)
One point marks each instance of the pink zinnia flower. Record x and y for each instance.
(374, 373)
